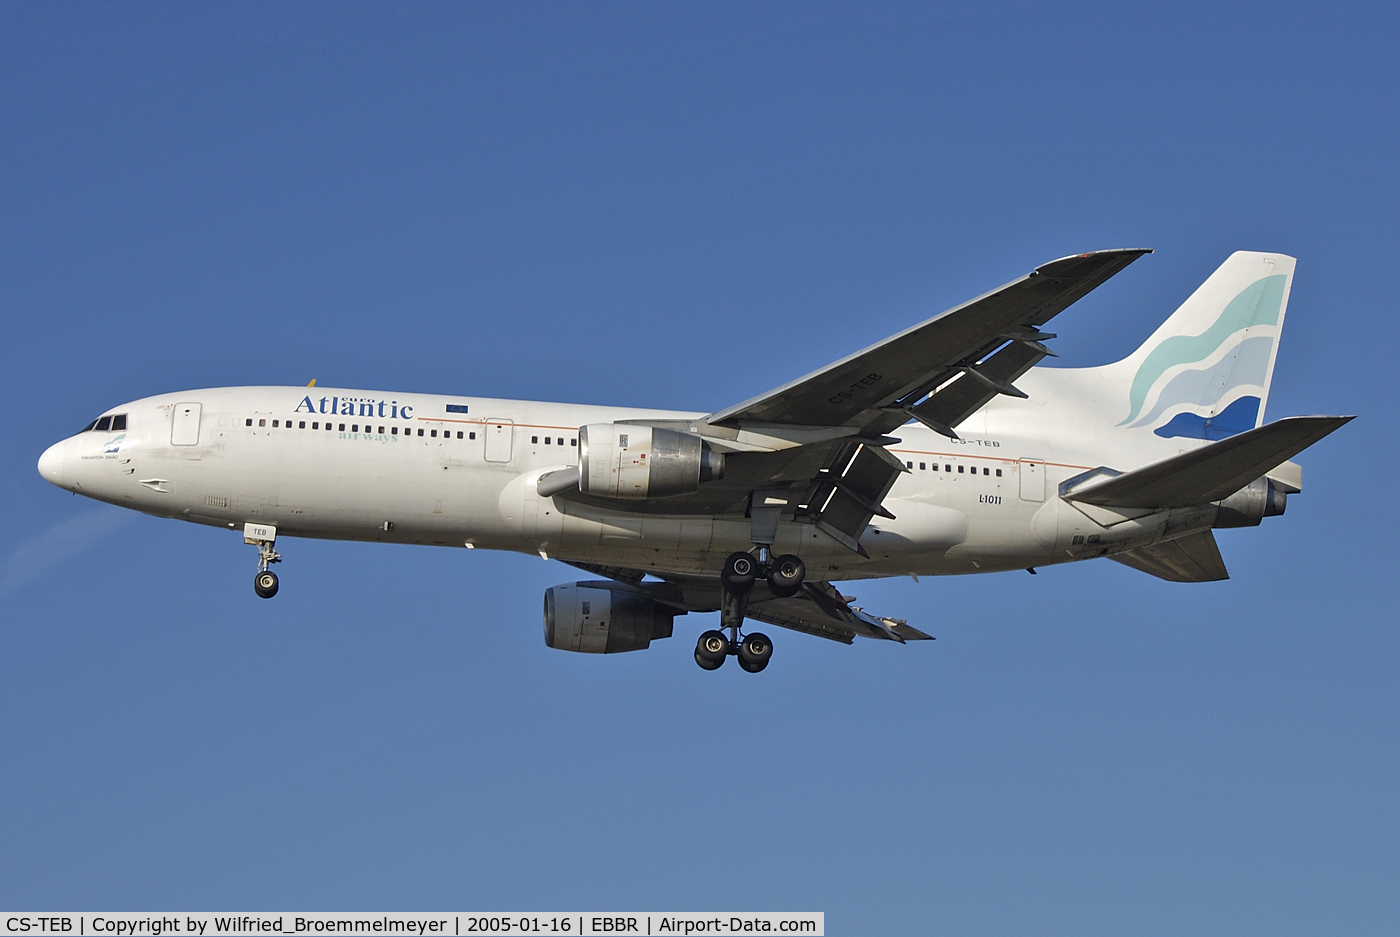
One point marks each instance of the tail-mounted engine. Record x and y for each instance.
(1259, 499)
(623, 460)
(603, 618)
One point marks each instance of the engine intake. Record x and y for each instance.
(623, 460)
(603, 618)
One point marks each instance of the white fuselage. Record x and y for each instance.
(402, 468)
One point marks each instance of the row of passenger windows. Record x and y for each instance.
(107, 423)
(393, 430)
(924, 467)
(355, 428)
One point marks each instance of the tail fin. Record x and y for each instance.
(1205, 372)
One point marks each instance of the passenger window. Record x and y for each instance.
(381, 431)
(248, 422)
(986, 471)
(923, 467)
(908, 464)
(934, 466)
(420, 432)
(342, 427)
(354, 427)
(998, 473)
(459, 434)
(947, 468)
(274, 424)
(316, 425)
(328, 427)
(573, 442)
(536, 439)
(119, 421)
(960, 469)
(547, 440)
(264, 423)
(471, 435)
(394, 431)
(301, 425)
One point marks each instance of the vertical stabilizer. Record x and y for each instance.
(1205, 373)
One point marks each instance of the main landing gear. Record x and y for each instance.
(264, 537)
(784, 574)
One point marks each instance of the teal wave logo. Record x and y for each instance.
(1257, 304)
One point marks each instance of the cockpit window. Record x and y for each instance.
(107, 423)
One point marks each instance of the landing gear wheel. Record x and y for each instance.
(740, 570)
(755, 651)
(711, 650)
(785, 575)
(265, 584)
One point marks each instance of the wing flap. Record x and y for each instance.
(847, 491)
(1193, 558)
(957, 400)
(1212, 472)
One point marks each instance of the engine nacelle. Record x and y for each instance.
(1259, 499)
(603, 618)
(622, 460)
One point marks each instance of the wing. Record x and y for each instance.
(958, 360)
(814, 449)
(817, 608)
(821, 610)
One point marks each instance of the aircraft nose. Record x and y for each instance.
(51, 463)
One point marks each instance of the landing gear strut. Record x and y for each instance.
(264, 537)
(785, 575)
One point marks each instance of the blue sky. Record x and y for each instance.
(682, 206)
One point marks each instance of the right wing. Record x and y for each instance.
(817, 608)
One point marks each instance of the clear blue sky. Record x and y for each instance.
(682, 206)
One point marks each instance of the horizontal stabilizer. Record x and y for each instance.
(1193, 558)
(1212, 472)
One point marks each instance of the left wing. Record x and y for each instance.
(814, 449)
(980, 346)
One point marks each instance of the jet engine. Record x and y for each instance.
(603, 618)
(622, 460)
(1259, 499)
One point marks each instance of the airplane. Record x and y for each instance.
(942, 450)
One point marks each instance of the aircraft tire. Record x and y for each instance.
(740, 570)
(786, 574)
(755, 651)
(265, 584)
(711, 650)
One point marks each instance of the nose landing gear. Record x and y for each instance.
(264, 537)
(265, 584)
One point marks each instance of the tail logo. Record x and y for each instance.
(1231, 362)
